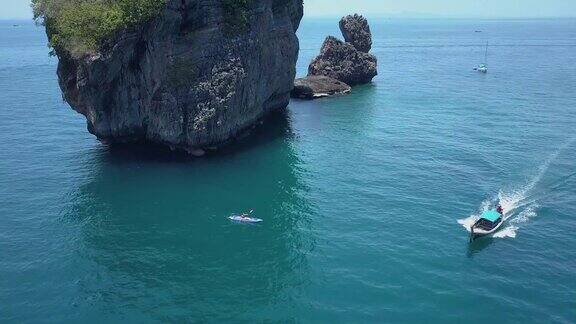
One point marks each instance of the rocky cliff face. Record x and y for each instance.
(348, 61)
(187, 79)
(356, 31)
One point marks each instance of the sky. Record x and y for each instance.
(20, 9)
(444, 8)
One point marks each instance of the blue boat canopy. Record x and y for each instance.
(491, 215)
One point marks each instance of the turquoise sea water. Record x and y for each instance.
(363, 196)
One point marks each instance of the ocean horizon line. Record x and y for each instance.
(395, 17)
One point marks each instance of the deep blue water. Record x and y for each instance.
(362, 196)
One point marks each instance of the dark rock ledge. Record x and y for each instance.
(314, 87)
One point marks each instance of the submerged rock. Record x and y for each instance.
(348, 61)
(356, 31)
(343, 62)
(314, 87)
(189, 78)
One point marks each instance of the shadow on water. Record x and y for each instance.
(479, 245)
(275, 127)
(154, 241)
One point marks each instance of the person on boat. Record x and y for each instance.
(500, 210)
(245, 215)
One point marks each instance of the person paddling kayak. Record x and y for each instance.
(247, 215)
(245, 218)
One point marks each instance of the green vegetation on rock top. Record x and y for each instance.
(80, 26)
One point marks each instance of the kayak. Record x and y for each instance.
(489, 222)
(244, 219)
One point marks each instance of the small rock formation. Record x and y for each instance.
(187, 79)
(348, 62)
(356, 31)
(314, 87)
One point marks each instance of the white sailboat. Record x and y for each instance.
(483, 67)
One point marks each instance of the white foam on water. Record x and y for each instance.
(524, 216)
(468, 222)
(509, 231)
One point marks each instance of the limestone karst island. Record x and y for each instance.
(186, 74)
(287, 161)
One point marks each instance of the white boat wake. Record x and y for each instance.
(511, 203)
(519, 205)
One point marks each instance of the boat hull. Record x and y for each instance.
(241, 219)
(476, 232)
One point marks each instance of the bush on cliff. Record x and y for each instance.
(236, 16)
(80, 26)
